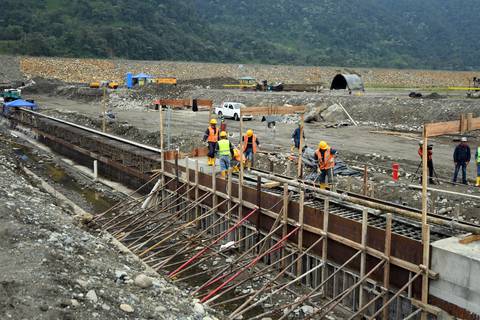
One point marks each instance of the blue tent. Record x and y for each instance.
(142, 76)
(21, 103)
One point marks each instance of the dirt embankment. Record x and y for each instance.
(86, 70)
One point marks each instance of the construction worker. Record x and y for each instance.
(250, 144)
(224, 150)
(461, 158)
(211, 136)
(429, 159)
(325, 155)
(296, 135)
(236, 161)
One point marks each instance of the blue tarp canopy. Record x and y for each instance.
(21, 103)
(142, 76)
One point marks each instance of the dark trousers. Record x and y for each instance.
(459, 165)
(430, 171)
(325, 175)
(211, 149)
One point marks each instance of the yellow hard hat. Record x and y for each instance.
(249, 132)
(322, 145)
(213, 121)
(223, 134)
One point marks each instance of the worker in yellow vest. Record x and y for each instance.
(250, 145)
(325, 155)
(211, 136)
(224, 151)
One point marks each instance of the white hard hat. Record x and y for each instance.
(464, 139)
(420, 142)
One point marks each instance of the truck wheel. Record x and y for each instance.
(236, 117)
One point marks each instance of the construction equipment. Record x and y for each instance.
(104, 84)
(11, 95)
(473, 87)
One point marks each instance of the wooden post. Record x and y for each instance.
(463, 126)
(104, 116)
(363, 257)
(229, 205)
(187, 179)
(425, 227)
(365, 180)
(300, 232)
(197, 208)
(95, 170)
(469, 121)
(259, 204)
(285, 219)
(299, 169)
(162, 159)
(325, 242)
(287, 170)
(240, 178)
(386, 267)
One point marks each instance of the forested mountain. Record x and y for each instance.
(375, 33)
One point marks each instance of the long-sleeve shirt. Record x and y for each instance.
(332, 151)
(296, 136)
(462, 153)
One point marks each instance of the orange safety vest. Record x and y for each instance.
(429, 153)
(212, 134)
(254, 143)
(329, 161)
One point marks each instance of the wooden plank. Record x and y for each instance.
(427, 307)
(470, 239)
(426, 263)
(271, 184)
(274, 110)
(452, 127)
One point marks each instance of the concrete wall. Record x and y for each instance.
(459, 268)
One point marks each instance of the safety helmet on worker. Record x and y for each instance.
(322, 145)
(420, 142)
(463, 139)
(223, 134)
(249, 132)
(213, 121)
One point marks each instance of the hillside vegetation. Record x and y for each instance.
(374, 33)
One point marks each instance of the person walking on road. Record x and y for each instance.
(325, 155)
(461, 158)
(296, 136)
(429, 160)
(224, 151)
(250, 145)
(211, 136)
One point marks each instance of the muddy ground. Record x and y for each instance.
(377, 144)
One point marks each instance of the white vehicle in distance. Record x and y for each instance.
(232, 110)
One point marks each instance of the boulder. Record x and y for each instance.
(334, 113)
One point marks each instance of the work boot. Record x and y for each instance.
(431, 181)
(224, 174)
(323, 186)
(478, 182)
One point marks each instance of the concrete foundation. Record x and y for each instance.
(459, 283)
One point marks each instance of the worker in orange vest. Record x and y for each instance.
(211, 136)
(250, 145)
(237, 160)
(325, 155)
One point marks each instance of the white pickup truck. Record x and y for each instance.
(232, 110)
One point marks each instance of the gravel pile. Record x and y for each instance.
(52, 268)
(10, 73)
(86, 70)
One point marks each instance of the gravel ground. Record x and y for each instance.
(86, 70)
(53, 268)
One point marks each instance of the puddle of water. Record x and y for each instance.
(96, 200)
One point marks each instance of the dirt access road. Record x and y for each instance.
(354, 144)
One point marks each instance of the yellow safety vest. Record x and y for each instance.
(223, 147)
